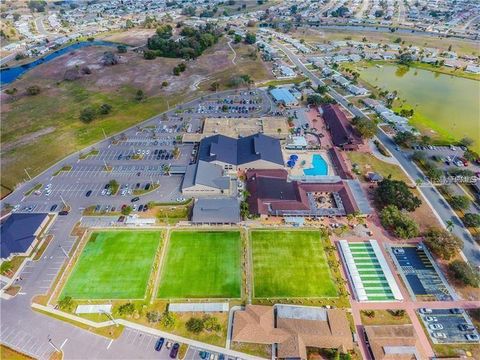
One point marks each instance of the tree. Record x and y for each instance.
(322, 89)
(121, 49)
(33, 90)
(195, 325)
(127, 210)
(211, 323)
(88, 114)
(237, 38)
(139, 95)
(105, 109)
(397, 312)
(176, 71)
(449, 225)
(154, 316)
(214, 86)
(471, 155)
(182, 66)
(398, 222)
(398, 40)
(471, 220)
(250, 38)
(5, 267)
(164, 84)
(404, 138)
(314, 99)
(464, 273)
(149, 55)
(459, 202)
(168, 319)
(466, 141)
(129, 24)
(367, 128)
(396, 192)
(66, 303)
(126, 309)
(443, 243)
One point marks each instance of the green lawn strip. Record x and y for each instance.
(290, 264)
(139, 192)
(202, 264)
(90, 153)
(114, 265)
(33, 189)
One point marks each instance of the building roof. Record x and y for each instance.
(18, 232)
(292, 328)
(206, 174)
(272, 193)
(283, 95)
(219, 211)
(340, 127)
(241, 151)
(394, 342)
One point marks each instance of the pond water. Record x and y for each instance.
(9, 75)
(447, 104)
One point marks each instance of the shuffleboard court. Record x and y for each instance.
(202, 265)
(290, 264)
(114, 265)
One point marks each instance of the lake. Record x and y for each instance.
(448, 105)
(9, 75)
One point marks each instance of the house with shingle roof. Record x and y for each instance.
(205, 179)
(293, 328)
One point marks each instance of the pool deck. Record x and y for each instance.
(306, 156)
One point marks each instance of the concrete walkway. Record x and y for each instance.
(380, 156)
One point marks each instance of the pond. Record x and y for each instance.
(446, 106)
(9, 75)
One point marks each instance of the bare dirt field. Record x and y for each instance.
(49, 121)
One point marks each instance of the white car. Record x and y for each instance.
(104, 191)
(425, 311)
(431, 318)
(435, 326)
(439, 335)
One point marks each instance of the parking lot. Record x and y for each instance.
(422, 278)
(199, 354)
(449, 326)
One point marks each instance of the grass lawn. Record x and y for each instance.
(290, 264)
(384, 317)
(202, 265)
(114, 265)
(368, 163)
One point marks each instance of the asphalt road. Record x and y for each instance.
(471, 250)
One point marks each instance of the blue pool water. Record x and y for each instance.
(9, 75)
(320, 166)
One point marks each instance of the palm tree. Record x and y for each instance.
(450, 225)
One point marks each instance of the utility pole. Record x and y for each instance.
(52, 344)
(64, 252)
(27, 174)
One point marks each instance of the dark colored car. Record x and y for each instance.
(107, 186)
(140, 208)
(147, 186)
(54, 207)
(174, 351)
(456, 311)
(138, 185)
(63, 212)
(89, 192)
(159, 344)
(145, 207)
(221, 357)
(135, 199)
(466, 327)
(139, 173)
(203, 354)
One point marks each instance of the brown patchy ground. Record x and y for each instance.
(50, 121)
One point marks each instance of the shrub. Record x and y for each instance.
(87, 115)
(139, 95)
(149, 55)
(164, 83)
(211, 323)
(369, 313)
(154, 316)
(105, 109)
(397, 312)
(33, 90)
(66, 303)
(168, 319)
(121, 49)
(464, 273)
(126, 309)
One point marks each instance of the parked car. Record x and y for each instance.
(174, 351)
(54, 207)
(203, 355)
(136, 198)
(89, 192)
(435, 326)
(472, 337)
(168, 345)
(399, 251)
(425, 311)
(466, 327)
(159, 344)
(439, 335)
(431, 318)
(63, 212)
(456, 311)
(140, 207)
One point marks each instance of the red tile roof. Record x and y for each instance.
(343, 134)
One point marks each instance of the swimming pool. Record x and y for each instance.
(319, 166)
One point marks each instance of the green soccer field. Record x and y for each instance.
(290, 264)
(202, 265)
(114, 265)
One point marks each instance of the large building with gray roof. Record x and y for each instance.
(216, 211)
(256, 151)
(205, 179)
